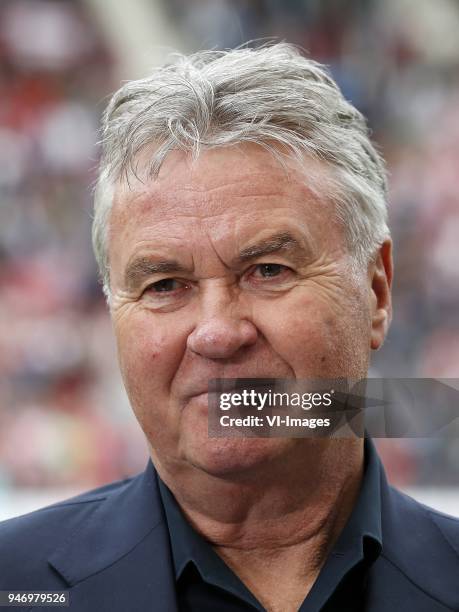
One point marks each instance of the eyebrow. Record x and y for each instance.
(283, 241)
(143, 267)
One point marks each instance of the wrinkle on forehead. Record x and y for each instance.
(181, 175)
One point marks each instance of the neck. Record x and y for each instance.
(275, 525)
(305, 498)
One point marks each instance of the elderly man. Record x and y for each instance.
(240, 228)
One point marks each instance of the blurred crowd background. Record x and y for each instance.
(64, 417)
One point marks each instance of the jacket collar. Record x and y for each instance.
(116, 555)
(119, 544)
(109, 527)
(416, 547)
(120, 522)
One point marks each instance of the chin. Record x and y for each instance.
(232, 457)
(241, 458)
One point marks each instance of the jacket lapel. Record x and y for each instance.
(417, 569)
(117, 556)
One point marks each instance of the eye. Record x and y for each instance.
(166, 285)
(166, 294)
(270, 270)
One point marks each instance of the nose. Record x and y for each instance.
(221, 331)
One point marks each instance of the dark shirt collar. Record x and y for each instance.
(189, 547)
(360, 540)
(363, 528)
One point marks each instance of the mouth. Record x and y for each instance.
(235, 385)
(200, 402)
(216, 386)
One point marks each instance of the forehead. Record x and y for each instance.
(226, 196)
(217, 181)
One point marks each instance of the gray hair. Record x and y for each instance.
(271, 96)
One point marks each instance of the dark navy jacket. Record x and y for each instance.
(110, 549)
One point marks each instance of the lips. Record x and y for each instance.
(228, 385)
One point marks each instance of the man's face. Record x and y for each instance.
(228, 267)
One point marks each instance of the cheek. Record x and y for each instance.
(309, 343)
(148, 355)
(317, 341)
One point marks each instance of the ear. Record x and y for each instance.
(380, 272)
